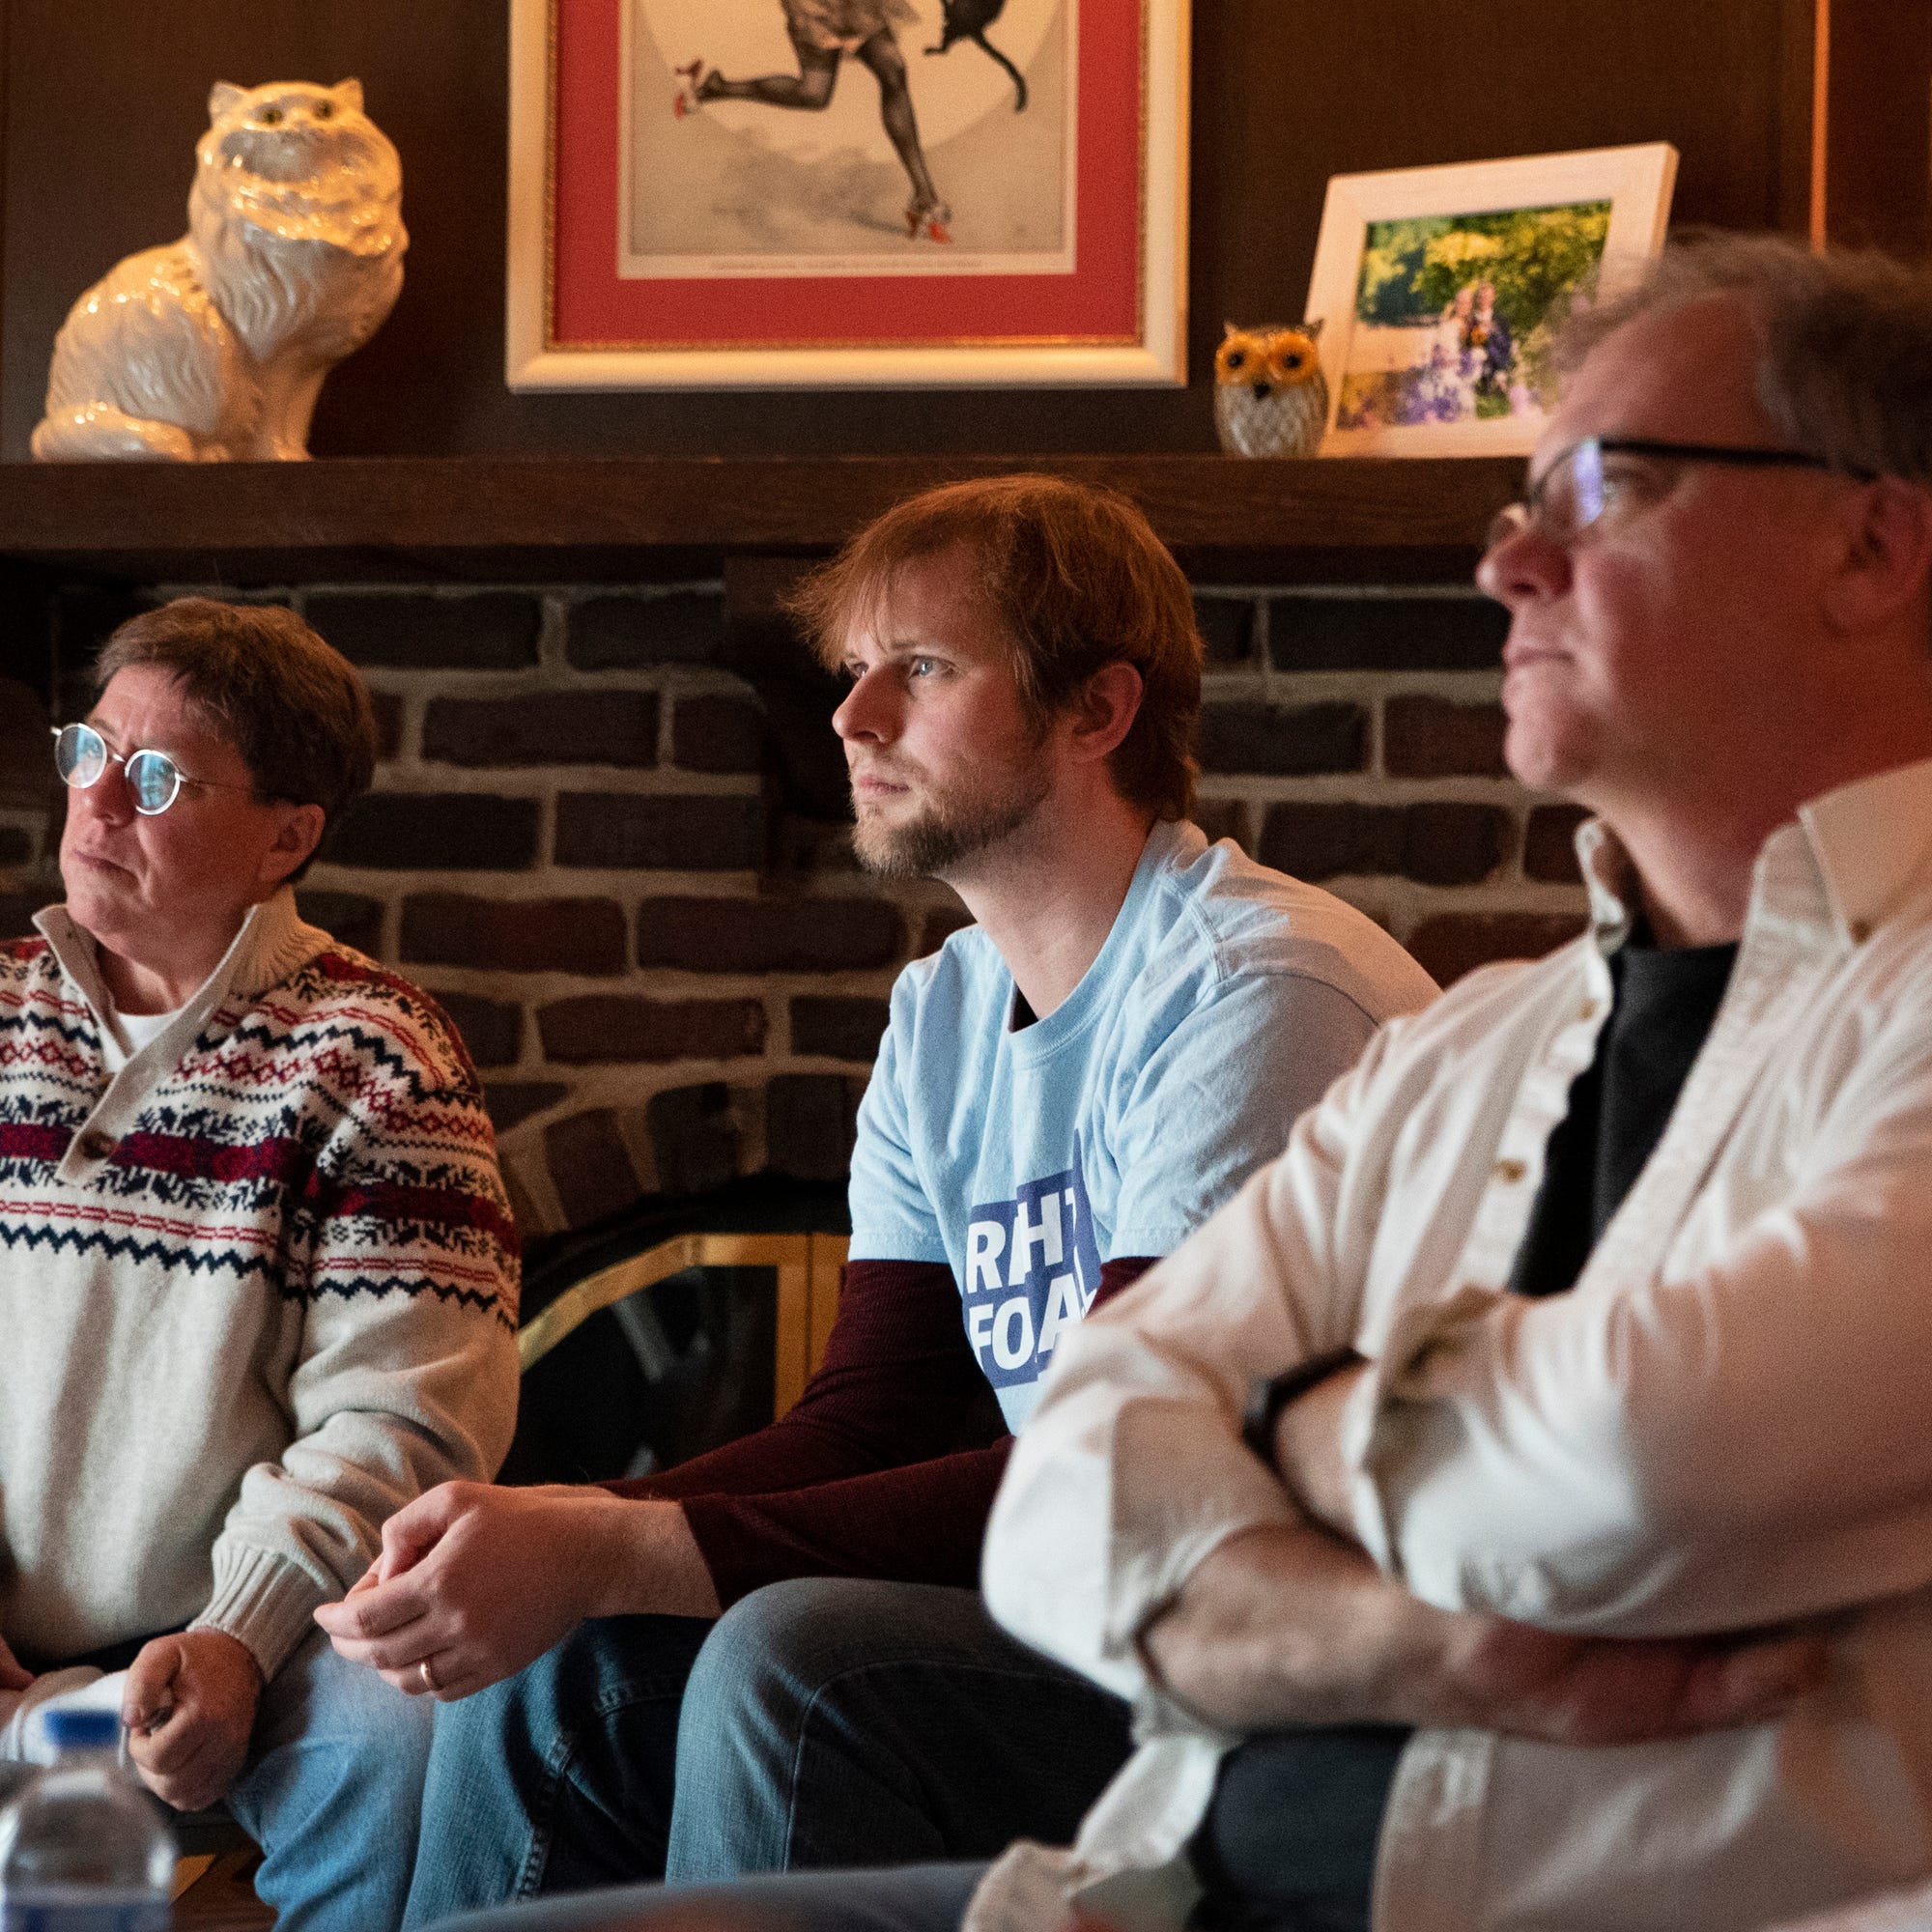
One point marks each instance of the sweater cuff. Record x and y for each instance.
(262, 1600)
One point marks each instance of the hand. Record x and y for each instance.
(477, 1581)
(190, 1707)
(1290, 1625)
(1509, 1677)
(1308, 1450)
(13, 1675)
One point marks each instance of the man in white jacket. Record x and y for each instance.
(1570, 1566)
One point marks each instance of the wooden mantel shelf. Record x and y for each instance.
(566, 519)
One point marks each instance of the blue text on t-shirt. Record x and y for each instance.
(1032, 1268)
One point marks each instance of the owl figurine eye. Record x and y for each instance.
(1240, 356)
(270, 117)
(324, 109)
(1291, 355)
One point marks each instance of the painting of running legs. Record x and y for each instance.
(848, 137)
(823, 33)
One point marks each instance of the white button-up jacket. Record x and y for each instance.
(1728, 1423)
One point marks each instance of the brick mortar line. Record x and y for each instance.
(1370, 788)
(629, 1086)
(415, 777)
(548, 984)
(1341, 593)
(568, 592)
(621, 883)
(686, 982)
(553, 632)
(1407, 903)
(1256, 684)
(678, 677)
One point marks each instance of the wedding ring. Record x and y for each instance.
(427, 1675)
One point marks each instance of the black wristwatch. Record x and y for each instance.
(1271, 1394)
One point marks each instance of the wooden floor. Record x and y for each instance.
(215, 1893)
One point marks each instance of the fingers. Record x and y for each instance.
(379, 1610)
(194, 1779)
(417, 1528)
(1754, 1682)
(455, 1673)
(13, 1675)
(190, 1753)
(171, 1746)
(441, 1683)
(399, 1647)
(149, 1687)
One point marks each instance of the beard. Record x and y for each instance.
(952, 829)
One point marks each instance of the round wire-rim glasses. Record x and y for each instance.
(1568, 497)
(155, 781)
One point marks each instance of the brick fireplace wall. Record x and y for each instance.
(606, 833)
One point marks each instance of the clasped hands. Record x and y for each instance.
(475, 1581)
(1292, 1624)
(188, 1708)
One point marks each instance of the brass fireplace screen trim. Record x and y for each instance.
(807, 1299)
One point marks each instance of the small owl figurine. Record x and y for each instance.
(1270, 396)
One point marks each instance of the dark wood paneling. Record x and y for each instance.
(106, 100)
(1797, 72)
(1879, 126)
(567, 519)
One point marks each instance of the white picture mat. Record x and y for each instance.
(1158, 359)
(1636, 180)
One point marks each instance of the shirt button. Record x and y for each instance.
(1510, 1169)
(96, 1144)
(1860, 930)
(1589, 1011)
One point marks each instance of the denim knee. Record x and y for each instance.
(793, 1638)
(780, 1633)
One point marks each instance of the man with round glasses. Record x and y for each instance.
(1511, 1510)
(258, 1274)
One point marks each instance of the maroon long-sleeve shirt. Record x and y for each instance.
(859, 1478)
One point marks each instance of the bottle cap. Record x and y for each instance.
(82, 1730)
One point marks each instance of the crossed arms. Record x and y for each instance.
(1576, 1518)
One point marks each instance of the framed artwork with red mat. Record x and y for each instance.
(846, 193)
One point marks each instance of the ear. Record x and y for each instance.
(349, 93)
(223, 96)
(299, 834)
(1104, 712)
(1228, 329)
(1312, 330)
(1885, 563)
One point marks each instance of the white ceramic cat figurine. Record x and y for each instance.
(215, 346)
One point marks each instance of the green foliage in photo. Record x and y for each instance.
(1412, 269)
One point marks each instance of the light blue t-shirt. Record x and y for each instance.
(1225, 1000)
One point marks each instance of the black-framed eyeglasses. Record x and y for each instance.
(155, 781)
(1574, 491)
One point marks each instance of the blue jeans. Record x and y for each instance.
(823, 1721)
(912, 1898)
(330, 1794)
(837, 1722)
(558, 1778)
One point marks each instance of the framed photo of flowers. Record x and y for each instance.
(1437, 288)
(844, 193)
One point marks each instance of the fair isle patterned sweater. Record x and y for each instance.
(257, 1289)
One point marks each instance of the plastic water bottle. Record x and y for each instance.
(83, 1849)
